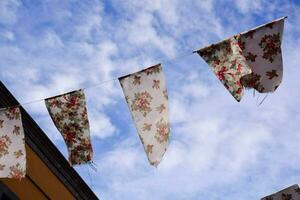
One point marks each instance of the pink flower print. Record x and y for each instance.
(70, 136)
(239, 68)
(16, 172)
(13, 113)
(162, 131)
(72, 102)
(220, 73)
(4, 144)
(141, 103)
(54, 103)
(242, 45)
(84, 113)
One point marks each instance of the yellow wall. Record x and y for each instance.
(47, 182)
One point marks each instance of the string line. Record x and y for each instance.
(113, 79)
(93, 85)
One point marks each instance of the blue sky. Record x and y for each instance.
(219, 149)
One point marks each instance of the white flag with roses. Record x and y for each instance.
(12, 144)
(146, 95)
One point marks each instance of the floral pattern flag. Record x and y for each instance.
(12, 144)
(146, 95)
(290, 193)
(69, 114)
(262, 49)
(226, 60)
(251, 59)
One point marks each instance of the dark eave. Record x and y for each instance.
(47, 151)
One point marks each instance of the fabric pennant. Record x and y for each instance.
(12, 144)
(69, 114)
(146, 95)
(251, 59)
(290, 193)
(262, 49)
(229, 65)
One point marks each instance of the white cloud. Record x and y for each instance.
(100, 125)
(51, 39)
(8, 35)
(90, 20)
(246, 6)
(219, 149)
(8, 11)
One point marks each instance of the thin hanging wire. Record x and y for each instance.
(94, 85)
(93, 166)
(99, 84)
(113, 79)
(42, 99)
(258, 104)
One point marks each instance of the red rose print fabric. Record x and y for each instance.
(69, 114)
(290, 193)
(251, 59)
(146, 95)
(12, 144)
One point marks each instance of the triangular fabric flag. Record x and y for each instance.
(146, 95)
(290, 193)
(69, 114)
(251, 59)
(262, 49)
(12, 144)
(227, 62)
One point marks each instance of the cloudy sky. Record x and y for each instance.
(219, 148)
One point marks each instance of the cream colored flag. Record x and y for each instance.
(12, 144)
(146, 95)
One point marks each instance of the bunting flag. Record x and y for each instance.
(146, 95)
(251, 59)
(69, 114)
(12, 144)
(290, 193)
(227, 62)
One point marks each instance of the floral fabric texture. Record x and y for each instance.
(69, 114)
(12, 144)
(262, 49)
(290, 193)
(147, 98)
(251, 59)
(227, 62)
